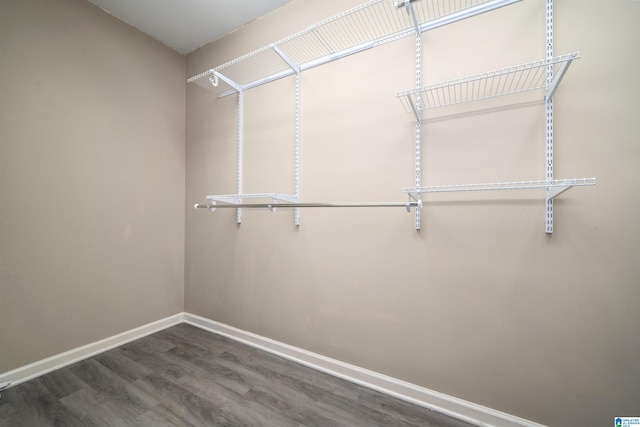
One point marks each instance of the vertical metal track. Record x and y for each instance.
(549, 118)
(296, 189)
(418, 131)
(240, 149)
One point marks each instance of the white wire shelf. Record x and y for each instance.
(237, 199)
(554, 187)
(363, 27)
(492, 84)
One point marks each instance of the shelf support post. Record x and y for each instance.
(237, 87)
(296, 179)
(417, 107)
(240, 149)
(549, 119)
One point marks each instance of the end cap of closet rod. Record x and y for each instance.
(211, 207)
(417, 204)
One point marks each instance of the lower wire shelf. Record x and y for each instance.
(237, 199)
(553, 187)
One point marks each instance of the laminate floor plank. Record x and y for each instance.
(160, 416)
(187, 377)
(62, 382)
(231, 381)
(218, 395)
(157, 362)
(277, 371)
(93, 409)
(120, 393)
(235, 409)
(122, 365)
(32, 405)
(184, 404)
(234, 376)
(402, 413)
(272, 367)
(330, 399)
(298, 413)
(154, 344)
(184, 336)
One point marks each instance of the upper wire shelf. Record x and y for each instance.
(506, 81)
(363, 27)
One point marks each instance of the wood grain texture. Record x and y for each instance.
(184, 376)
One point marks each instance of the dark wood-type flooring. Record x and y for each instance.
(184, 376)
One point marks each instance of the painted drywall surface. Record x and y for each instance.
(92, 178)
(480, 304)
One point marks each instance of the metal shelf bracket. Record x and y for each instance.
(551, 89)
(292, 64)
(553, 192)
(218, 75)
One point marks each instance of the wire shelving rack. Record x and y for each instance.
(372, 24)
(363, 27)
(544, 74)
(366, 26)
(506, 81)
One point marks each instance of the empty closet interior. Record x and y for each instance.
(432, 198)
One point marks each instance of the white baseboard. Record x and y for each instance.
(44, 366)
(457, 408)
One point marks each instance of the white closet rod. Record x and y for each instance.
(272, 206)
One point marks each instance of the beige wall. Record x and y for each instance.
(91, 178)
(480, 304)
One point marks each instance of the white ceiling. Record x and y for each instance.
(185, 25)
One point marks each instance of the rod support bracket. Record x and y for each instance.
(402, 3)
